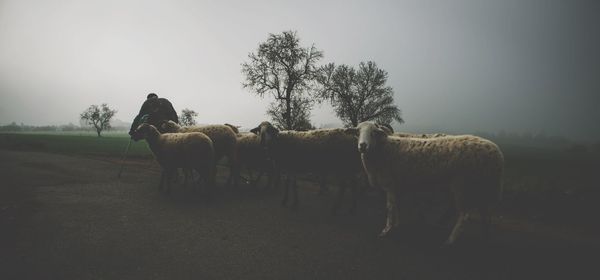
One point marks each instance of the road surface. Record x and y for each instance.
(65, 217)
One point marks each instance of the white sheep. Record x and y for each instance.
(323, 151)
(224, 141)
(389, 130)
(470, 167)
(414, 135)
(179, 150)
(235, 128)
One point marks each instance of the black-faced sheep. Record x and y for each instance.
(224, 141)
(179, 150)
(324, 151)
(468, 166)
(253, 157)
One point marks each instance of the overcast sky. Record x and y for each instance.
(460, 66)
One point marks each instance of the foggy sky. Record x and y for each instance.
(460, 66)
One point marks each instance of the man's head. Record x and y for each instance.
(151, 95)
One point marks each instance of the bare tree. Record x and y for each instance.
(188, 117)
(359, 95)
(98, 117)
(299, 115)
(282, 68)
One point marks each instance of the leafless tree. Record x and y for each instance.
(283, 68)
(299, 114)
(359, 95)
(98, 117)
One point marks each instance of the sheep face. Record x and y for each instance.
(169, 127)
(369, 136)
(267, 134)
(143, 131)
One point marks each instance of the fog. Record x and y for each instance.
(455, 66)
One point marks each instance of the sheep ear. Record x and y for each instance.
(274, 130)
(351, 131)
(255, 130)
(380, 132)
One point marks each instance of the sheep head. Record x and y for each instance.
(169, 127)
(144, 131)
(369, 136)
(267, 134)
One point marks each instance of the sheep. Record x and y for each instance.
(252, 156)
(179, 150)
(235, 128)
(224, 140)
(469, 167)
(389, 130)
(329, 151)
(413, 135)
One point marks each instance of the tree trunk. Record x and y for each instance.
(98, 131)
(288, 111)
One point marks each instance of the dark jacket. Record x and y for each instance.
(158, 110)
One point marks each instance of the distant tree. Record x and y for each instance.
(284, 69)
(98, 117)
(188, 117)
(359, 95)
(299, 116)
(13, 126)
(68, 127)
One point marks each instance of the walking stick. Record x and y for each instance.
(123, 158)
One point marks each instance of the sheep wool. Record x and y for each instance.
(179, 150)
(470, 167)
(224, 140)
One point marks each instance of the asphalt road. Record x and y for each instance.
(67, 217)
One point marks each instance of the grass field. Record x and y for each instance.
(87, 144)
(540, 184)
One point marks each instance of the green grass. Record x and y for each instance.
(111, 145)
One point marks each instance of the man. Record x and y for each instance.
(159, 110)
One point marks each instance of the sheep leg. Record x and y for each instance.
(211, 178)
(285, 192)
(162, 180)
(234, 175)
(187, 174)
(323, 184)
(486, 221)
(235, 168)
(255, 181)
(446, 216)
(185, 177)
(294, 193)
(457, 228)
(274, 175)
(339, 197)
(168, 179)
(392, 214)
(354, 189)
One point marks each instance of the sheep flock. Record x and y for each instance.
(467, 168)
